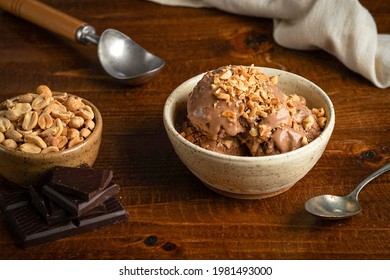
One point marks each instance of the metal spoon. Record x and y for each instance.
(120, 56)
(340, 207)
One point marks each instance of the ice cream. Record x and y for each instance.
(238, 110)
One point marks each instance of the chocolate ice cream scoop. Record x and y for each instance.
(238, 104)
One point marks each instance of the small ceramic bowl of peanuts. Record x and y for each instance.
(44, 129)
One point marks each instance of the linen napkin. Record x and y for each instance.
(343, 28)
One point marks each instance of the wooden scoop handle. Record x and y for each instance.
(44, 16)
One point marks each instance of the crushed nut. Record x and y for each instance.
(229, 114)
(308, 122)
(274, 80)
(322, 122)
(320, 112)
(253, 132)
(304, 141)
(252, 96)
(226, 75)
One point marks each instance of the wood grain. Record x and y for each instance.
(173, 215)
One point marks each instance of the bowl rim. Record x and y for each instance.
(170, 127)
(98, 127)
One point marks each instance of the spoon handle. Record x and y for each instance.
(371, 177)
(44, 16)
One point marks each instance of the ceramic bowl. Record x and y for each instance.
(250, 177)
(25, 168)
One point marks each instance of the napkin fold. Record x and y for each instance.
(343, 28)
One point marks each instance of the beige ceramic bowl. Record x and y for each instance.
(250, 177)
(27, 168)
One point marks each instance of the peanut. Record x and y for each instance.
(9, 143)
(73, 103)
(304, 141)
(14, 135)
(38, 141)
(45, 121)
(321, 122)
(73, 133)
(85, 132)
(76, 122)
(62, 141)
(61, 113)
(30, 120)
(14, 113)
(40, 102)
(27, 98)
(308, 122)
(49, 108)
(49, 131)
(51, 149)
(90, 124)
(274, 79)
(86, 113)
(60, 96)
(60, 127)
(44, 90)
(226, 75)
(24, 132)
(73, 142)
(29, 148)
(5, 124)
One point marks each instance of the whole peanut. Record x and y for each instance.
(45, 121)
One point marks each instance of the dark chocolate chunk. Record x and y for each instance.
(49, 210)
(40, 202)
(112, 206)
(84, 199)
(52, 212)
(84, 183)
(11, 200)
(75, 205)
(31, 229)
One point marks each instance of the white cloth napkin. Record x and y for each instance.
(343, 28)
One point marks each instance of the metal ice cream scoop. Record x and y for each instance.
(120, 56)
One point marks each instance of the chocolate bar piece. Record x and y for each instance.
(40, 202)
(81, 182)
(75, 205)
(11, 200)
(31, 229)
(52, 212)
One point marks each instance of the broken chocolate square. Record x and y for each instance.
(75, 205)
(81, 182)
(11, 200)
(52, 212)
(31, 229)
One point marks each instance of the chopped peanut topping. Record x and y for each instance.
(254, 90)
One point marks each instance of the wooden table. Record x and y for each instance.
(173, 215)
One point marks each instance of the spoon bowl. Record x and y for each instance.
(124, 59)
(333, 206)
(340, 207)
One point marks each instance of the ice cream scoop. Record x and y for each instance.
(119, 55)
(237, 107)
